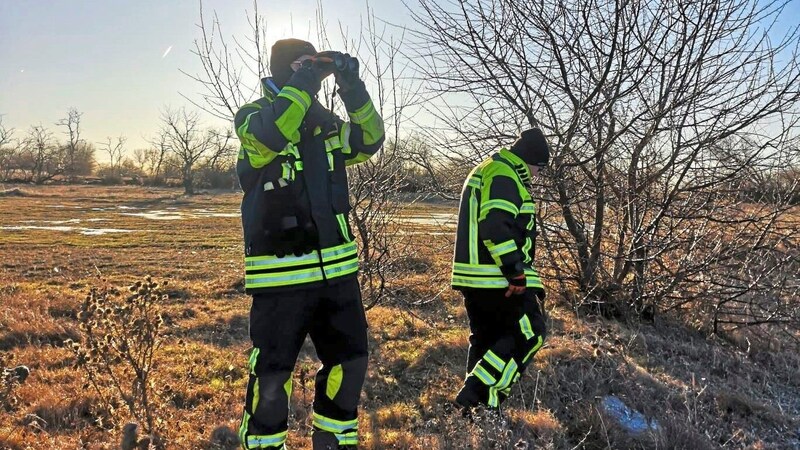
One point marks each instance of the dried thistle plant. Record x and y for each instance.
(121, 333)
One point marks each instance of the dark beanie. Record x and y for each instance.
(284, 53)
(531, 147)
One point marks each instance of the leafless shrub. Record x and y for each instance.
(121, 334)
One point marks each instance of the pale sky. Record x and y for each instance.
(118, 61)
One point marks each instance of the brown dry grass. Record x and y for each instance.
(705, 393)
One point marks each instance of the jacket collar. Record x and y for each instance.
(268, 88)
(520, 167)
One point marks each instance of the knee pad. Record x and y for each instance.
(344, 381)
(274, 391)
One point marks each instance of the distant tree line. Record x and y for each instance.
(183, 152)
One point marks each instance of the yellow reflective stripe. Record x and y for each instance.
(256, 396)
(363, 114)
(274, 262)
(485, 269)
(370, 122)
(251, 364)
(473, 228)
(333, 425)
(348, 438)
(344, 138)
(478, 282)
(343, 226)
(287, 387)
(339, 251)
(525, 326)
(474, 183)
(493, 400)
(527, 208)
(491, 282)
(341, 269)
(334, 381)
(270, 439)
(494, 360)
(243, 426)
(259, 154)
(533, 350)
(332, 143)
(283, 278)
(500, 249)
(291, 149)
(252, 105)
(483, 375)
(358, 159)
(301, 98)
(504, 205)
(526, 250)
(508, 375)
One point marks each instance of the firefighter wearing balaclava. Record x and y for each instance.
(301, 257)
(493, 268)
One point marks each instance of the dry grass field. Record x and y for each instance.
(57, 242)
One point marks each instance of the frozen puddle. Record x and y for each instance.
(81, 230)
(435, 219)
(156, 215)
(63, 222)
(175, 214)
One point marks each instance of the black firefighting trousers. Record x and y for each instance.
(505, 335)
(279, 322)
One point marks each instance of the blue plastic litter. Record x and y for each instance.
(631, 420)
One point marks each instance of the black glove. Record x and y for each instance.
(347, 72)
(310, 75)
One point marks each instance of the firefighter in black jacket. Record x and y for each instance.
(493, 268)
(301, 258)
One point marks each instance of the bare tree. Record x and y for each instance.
(72, 123)
(231, 70)
(157, 154)
(656, 112)
(187, 140)
(7, 151)
(115, 148)
(41, 155)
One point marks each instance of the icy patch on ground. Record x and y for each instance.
(435, 219)
(81, 230)
(174, 214)
(156, 215)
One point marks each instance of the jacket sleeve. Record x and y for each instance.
(267, 131)
(364, 134)
(499, 207)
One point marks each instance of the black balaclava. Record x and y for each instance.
(284, 53)
(531, 147)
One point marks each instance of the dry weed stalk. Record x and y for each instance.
(121, 335)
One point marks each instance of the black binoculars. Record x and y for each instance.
(340, 62)
(343, 62)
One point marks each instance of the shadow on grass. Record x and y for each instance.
(22, 339)
(222, 333)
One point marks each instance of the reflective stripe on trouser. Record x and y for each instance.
(337, 391)
(333, 316)
(266, 409)
(506, 333)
